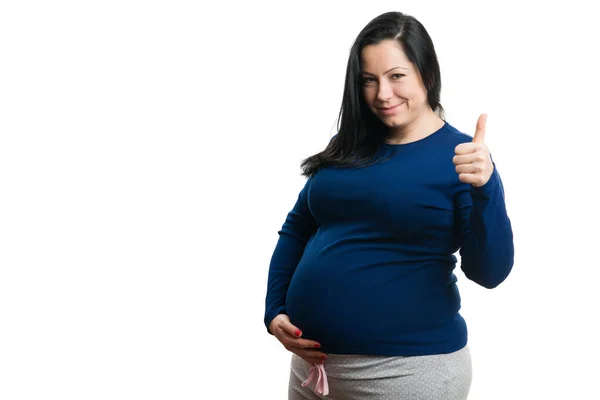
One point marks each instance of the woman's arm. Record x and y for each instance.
(485, 233)
(297, 229)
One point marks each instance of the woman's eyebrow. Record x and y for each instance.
(368, 73)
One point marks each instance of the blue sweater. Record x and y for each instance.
(364, 262)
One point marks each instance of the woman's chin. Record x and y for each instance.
(392, 122)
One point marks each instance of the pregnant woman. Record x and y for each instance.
(361, 286)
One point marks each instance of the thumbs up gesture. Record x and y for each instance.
(472, 160)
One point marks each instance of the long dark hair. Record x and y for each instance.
(360, 132)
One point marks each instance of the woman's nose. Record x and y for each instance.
(385, 92)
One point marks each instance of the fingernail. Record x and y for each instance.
(317, 346)
(324, 357)
(298, 332)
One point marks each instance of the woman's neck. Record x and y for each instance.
(421, 127)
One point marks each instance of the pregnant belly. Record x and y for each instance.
(344, 306)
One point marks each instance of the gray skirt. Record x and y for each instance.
(356, 377)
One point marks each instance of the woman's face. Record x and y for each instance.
(392, 86)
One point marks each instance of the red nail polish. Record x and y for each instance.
(317, 346)
(298, 332)
(324, 357)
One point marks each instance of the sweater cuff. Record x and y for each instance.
(486, 191)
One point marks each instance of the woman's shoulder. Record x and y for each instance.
(455, 136)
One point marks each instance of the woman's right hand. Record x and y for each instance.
(289, 336)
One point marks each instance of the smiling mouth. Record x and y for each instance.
(388, 109)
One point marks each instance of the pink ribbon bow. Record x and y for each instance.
(321, 385)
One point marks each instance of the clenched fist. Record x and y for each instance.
(472, 160)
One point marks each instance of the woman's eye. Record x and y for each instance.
(367, 81)
(398, 76)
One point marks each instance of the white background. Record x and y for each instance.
(150, 152)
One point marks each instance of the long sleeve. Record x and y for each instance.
(297, 229)
(486, 237)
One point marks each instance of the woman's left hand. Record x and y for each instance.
(472, 160)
